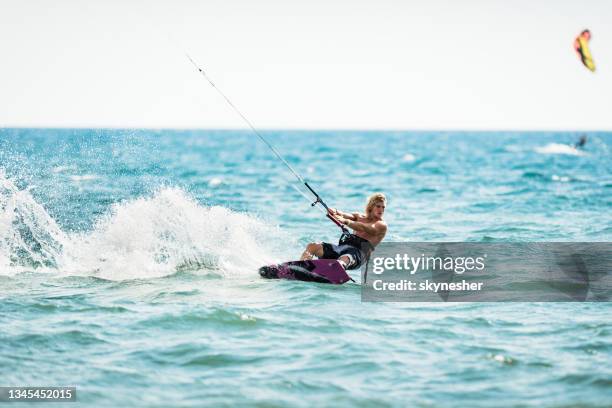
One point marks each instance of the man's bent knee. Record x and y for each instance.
(315, 249)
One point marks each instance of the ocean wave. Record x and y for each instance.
(558, 148)
(143, 238)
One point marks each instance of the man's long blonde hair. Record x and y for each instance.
(372, 200)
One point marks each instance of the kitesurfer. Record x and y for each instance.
(369, 230)
(580, 143)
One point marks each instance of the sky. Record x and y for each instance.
(317, 64)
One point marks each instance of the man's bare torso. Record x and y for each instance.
(374, 239)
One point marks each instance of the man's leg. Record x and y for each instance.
(312, 249)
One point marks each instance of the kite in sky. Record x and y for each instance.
(581, 45)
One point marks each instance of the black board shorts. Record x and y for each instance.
(357, 248)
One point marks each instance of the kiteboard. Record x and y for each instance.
(316, 270)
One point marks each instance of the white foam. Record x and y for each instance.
(562, 179)
(61, 169)
(557, 148)
(408, 157)
(29, 237)
(84, 177)
(143, 238)
(215, 181)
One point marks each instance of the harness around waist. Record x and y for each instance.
(357, 242)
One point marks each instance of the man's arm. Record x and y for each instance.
(336, 213)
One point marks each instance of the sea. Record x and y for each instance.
(129, 258)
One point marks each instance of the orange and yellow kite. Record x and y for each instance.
(581, 45)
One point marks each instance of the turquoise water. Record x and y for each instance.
(128, 268)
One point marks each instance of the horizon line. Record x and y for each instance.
(336, 129)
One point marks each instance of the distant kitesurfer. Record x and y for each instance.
(580, 143)
(354, 249)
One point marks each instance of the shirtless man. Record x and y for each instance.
(353, 249)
